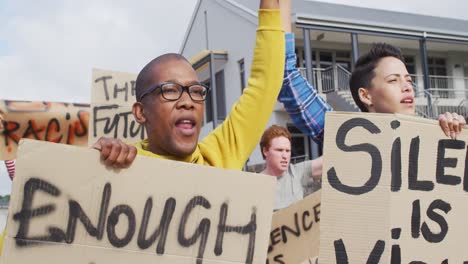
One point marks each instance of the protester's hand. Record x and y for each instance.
(451, 124)
(317, 167)
(115, 153)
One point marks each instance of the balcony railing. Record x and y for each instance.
(446, 87)
(330, 79)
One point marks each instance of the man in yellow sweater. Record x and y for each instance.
(170, 103)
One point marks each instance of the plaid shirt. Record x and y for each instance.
(305, 107)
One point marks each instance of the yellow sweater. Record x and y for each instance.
(230, 144)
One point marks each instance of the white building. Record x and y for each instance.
(329, 38)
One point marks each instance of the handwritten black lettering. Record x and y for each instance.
(443, 162)
(249, 229)
(25, 215)
(108, 127)
(121, 233)
(202, 230)
(296, 232)
(413, 182)
(113, 122)
(113, 220)
(306, 227)
(163, 228)
(374, 257)
(373, 151)
(104, 85)
(396, 165)
(439, 219)
(76, 212)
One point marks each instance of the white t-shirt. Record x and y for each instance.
(289, 186)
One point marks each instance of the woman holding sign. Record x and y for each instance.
(380, 83)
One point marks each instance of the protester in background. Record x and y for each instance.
(291, 178)
(302, 102)
(173, 118)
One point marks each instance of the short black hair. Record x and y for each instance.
(364, 69)
(145, 77)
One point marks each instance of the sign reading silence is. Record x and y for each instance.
(395, 190)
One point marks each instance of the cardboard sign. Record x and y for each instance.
(112, 97)
(66, 207)
(48, 121)
(394, 191)
(295, 232)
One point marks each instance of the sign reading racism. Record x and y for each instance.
(295, 232)
(156, 211)
(112, 97)
(394, 191)
(48, 121)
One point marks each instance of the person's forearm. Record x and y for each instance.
(269, 4)
(317, 167)
(285, 8)
(300, 99)
(233, 141)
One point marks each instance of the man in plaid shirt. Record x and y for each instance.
(301, 100)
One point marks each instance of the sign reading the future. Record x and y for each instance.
(66, 207)
(112, 97)
(394, 191)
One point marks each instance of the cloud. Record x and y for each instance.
(51, 46)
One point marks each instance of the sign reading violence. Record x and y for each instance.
(394, 191)
(295, 232)
(156, 211)
(112, 97)
(48, 121)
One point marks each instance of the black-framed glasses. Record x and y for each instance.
(173, 91)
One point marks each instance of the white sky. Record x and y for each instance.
(48, 47)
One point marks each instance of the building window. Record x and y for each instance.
(343, 58)
(410, 65)
(438, 80)
(299, 145)
(242, 74)
(220, 95)
(208, 117)
(220, 98)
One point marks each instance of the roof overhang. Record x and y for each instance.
(304, 21)
(202, 60)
